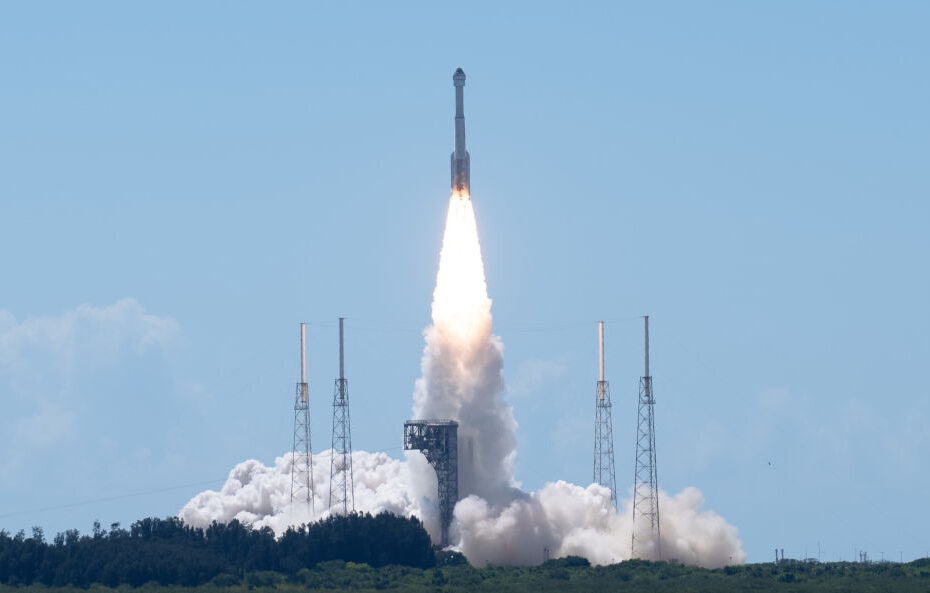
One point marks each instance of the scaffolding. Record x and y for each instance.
(438, 441)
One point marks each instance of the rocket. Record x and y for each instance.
(461, 176)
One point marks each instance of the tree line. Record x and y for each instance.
(169, 552)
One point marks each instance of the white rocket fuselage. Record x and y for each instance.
(461, 175)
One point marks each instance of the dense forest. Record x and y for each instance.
(171, 553)
(365, 553)
(565, 575)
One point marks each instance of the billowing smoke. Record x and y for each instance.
(495, 521)
(462, 363)
(565, 520)
(260, 496)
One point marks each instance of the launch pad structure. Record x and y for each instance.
(604, 469)
(438, 441)
(302, 456)
(645, 480)
(341, 477)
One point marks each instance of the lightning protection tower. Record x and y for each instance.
(341, 480)
(438, 441)
(645, 481)
(302, 460)
(604, 473)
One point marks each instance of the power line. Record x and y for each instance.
(142, 493)
(108, 499)
(517, 325)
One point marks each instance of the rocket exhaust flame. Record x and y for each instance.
(462, 380)
(463, 361)
(461, 295)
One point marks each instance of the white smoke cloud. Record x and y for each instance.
(462, 364)
(494, 521)
(260, 496)
(564, 518)
(568, 520)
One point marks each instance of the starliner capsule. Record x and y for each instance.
(461, 176)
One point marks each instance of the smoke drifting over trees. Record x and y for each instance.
(495, 521)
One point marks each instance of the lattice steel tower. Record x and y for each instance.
(302, 460)
(604, 473)
(645, 482)
(341, 480)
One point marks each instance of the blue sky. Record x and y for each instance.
(182, 183)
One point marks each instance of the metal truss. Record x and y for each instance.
(438, 441)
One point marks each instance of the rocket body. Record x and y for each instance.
(461, 175)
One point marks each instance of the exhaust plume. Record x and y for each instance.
(462, 362)
(495, 521)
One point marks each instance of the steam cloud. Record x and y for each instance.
(495, 521)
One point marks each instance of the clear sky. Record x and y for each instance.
(182, 183)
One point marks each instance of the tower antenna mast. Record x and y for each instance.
(341, 479)
(645, 480)
(302, 457)
(604, 473)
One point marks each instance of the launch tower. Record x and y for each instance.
(438, 441)
(604, 473)
(645, 482)
(302, 459)
(341, 480)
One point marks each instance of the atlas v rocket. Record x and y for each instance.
(461, 176)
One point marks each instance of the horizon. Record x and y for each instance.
(186, 184)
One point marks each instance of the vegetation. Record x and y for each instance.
(170, 553)
(365, 553)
